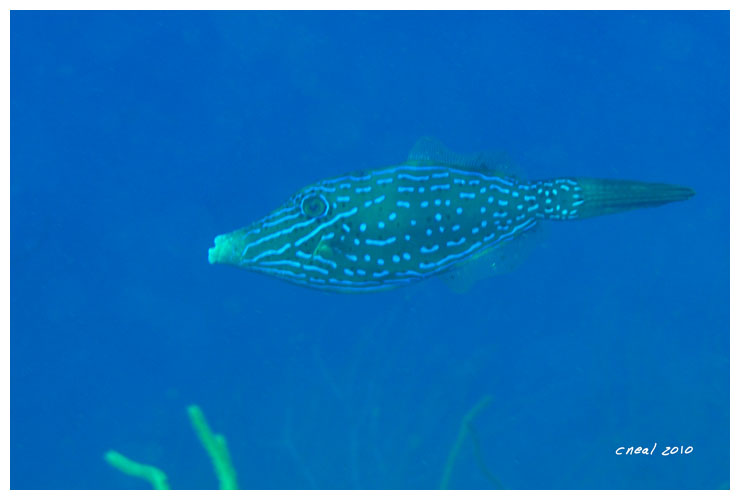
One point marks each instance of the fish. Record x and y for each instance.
(438, 213)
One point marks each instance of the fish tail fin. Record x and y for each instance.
(582, 197)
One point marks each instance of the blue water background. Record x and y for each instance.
(138, 137)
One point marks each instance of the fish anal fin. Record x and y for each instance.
(492, 261)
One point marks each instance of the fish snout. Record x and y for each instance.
(224, 250)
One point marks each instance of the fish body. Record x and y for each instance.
(432, 215)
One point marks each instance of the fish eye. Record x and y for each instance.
(314, 206)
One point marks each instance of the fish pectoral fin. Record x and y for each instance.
(323, 250)
(326, 253)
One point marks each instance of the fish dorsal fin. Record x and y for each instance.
(429, 151)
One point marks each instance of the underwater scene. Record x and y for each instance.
(369, 250)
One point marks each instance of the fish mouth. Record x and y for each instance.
(232, 248)
(223, 250)
(261, 241)
(246, 247)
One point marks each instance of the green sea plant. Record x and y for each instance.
(217, 449)
(215, 445)
(150, 473)
(467, 429)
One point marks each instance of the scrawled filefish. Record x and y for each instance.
(435, 214)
